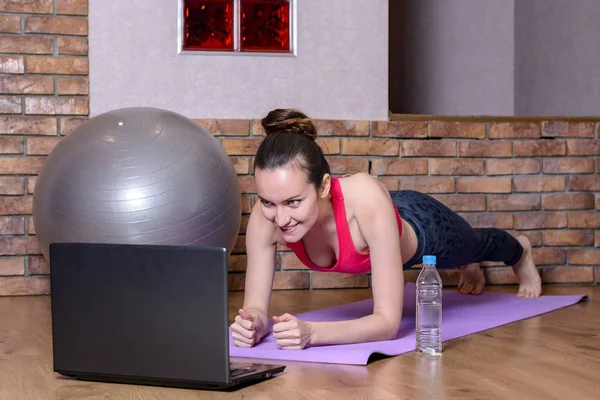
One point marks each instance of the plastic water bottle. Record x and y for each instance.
(429, 308)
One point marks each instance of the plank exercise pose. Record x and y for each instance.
(353, 225)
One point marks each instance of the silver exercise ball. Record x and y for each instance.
(138, 176)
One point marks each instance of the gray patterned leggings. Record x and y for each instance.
(445, 234)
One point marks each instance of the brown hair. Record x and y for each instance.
(291, 136)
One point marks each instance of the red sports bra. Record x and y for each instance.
(350, 260)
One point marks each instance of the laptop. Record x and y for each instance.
(145, 314)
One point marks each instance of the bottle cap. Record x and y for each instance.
(429, 260)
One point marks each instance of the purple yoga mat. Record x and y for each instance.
(462, 315)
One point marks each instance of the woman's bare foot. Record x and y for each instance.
(472, 280)
(530, 283)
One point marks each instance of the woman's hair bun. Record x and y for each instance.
(288, 120)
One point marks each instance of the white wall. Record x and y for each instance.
(340, 71)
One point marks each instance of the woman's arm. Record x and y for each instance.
(378, 224)
(261, 250)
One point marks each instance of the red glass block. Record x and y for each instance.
(265, 25)
(208, 25)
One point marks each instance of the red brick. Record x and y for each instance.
(329, 146)
(241, 165)
(225, 127)
(240, 147)
(11, 225)
(244, 223)
(428, 148)
(514, 130)
(584, 256)
(41, 146)
(489, 220)
(11, 185)
(291, 280)
(549, 256)
(24, 286)
(237, 262)
(568, 129)
(15, 205)
(390, 183)
(73, 86)
(38, 265)
(57, 65)
(581, 147)
(334, 280)
(290, 261)
(399, 167)
(240, 245)
(247, 203)
(567, 201)
(566, 165)
(12, 64)
(75, 46)
(513, 166)
(26, 84)
(399, 129)
(47, 105)
(10, 24)
(56, 25)
(341, 128)
(428, 184)
(539, 183)
(500, 276)
(535, 237)
(27, 6)
(464, 130)
(568, 237)
(21, 165)
(514, 202)
(540, 147)
(27, 126)
(26, 44)
(67, 125)
(455, 167)
(10, 105)
(597, 202)
(19, 245)
(31, 181)
(11, 145)
(30, 225)
(247, 185)
(540, 220)
(589, 183)
(348, 165)
(72, 7)
(484, 185)
(370, 147)
(597, 238)
(485, 149)
(463, 202)
(567, 274)
(236, 281)
(12, 266)
(583, 220)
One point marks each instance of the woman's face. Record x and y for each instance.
(288, 200)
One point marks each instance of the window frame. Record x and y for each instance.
(236, 35)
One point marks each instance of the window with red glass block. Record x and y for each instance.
(238, 26)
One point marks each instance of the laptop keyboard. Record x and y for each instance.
(236, 369)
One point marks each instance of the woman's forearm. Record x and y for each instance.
(370, 328)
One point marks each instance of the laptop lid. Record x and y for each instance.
(140, 311)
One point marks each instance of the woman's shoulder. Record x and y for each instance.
(362, 189)
(261, 229)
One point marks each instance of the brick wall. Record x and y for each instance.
(540, 178)
(43, 95)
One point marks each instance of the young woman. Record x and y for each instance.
(354, 225)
